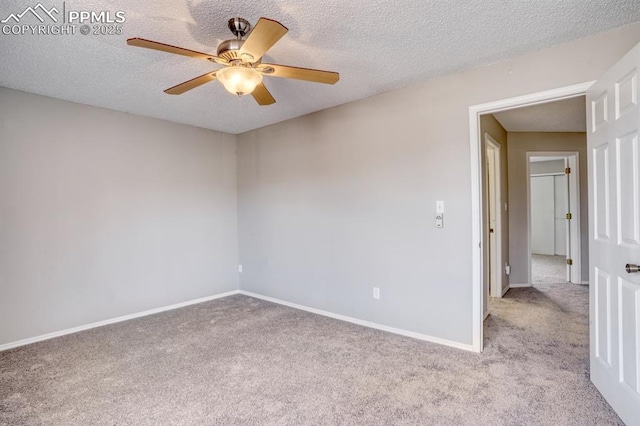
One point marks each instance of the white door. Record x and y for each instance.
(567, 224)
(494, 202)
(492, 220)
(613, 120)
(574, 273)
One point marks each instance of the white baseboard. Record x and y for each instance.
(486, 315)
(505, 290)
(363, 322)
(521, 285)
(48, 336)
(584, 283)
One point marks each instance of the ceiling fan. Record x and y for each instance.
(242, 60)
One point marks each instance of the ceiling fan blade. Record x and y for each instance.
(284, 71)
(262, 95)
(193, 83)
(149, 44)
(263, 36)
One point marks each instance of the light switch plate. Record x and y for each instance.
(439, 220)
(440, 206)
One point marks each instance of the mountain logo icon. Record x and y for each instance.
(43, 13)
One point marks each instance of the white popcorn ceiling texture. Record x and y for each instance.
(375, 45)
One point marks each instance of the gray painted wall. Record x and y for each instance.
(488, 124)
(519, 145)
(337, 202)
(104, 214)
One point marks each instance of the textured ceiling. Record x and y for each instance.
(568, 115)
(376, 45)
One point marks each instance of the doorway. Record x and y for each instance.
(554, 251)
(613, 121)
(477, 171)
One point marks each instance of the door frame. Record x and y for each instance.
(477, 168)
(495, 254)
(574, 241)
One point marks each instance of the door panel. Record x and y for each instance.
(627, 184)
(613, 120)
(599, 111)
(603, 317)
(626, 94)
(601, 191)
(628, 300)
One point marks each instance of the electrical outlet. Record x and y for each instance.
(440, 220)
(376, 293)
(240, 268)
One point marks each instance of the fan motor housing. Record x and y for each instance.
(229, 49)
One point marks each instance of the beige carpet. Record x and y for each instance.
(548, 269)
(242, 361)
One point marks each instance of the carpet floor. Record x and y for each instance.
(243, 361)
(548, 269)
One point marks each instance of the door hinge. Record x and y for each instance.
(567, 170)
(569, 261)
(569, 216)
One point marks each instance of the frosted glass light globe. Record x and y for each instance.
(239, 80)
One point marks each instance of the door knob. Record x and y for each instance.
(631, 268)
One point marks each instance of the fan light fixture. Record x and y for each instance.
(239, 80)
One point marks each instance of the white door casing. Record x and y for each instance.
(574, 251)
(567, 228)
(574, 274)
(613, 120)
(476, 167)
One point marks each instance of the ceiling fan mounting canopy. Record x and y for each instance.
(242, 61)
(240, 27)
